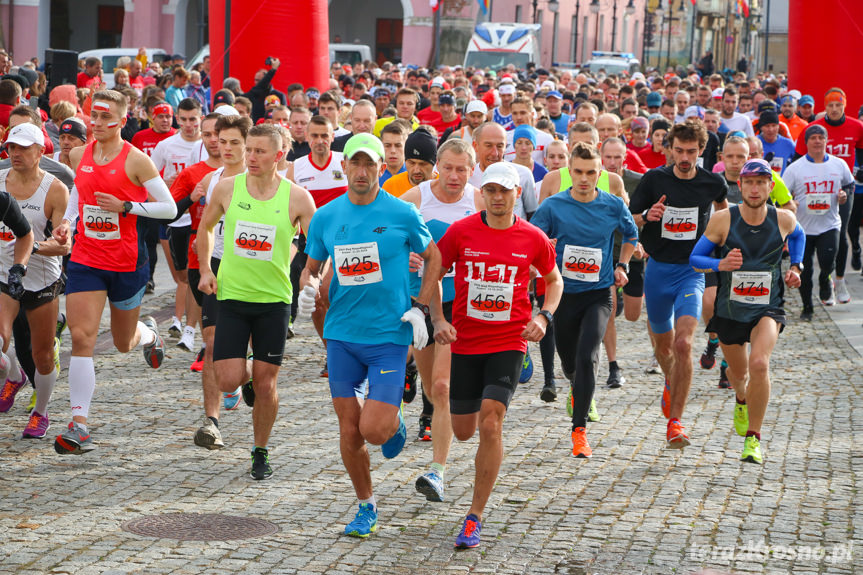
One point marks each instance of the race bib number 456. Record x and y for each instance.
(254, 241)
(101, 224)
(489, 301)
(358, 264)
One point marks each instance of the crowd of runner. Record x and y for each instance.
(431, 225)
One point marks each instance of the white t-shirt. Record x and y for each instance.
(173, 155)
(527, 202)
(542, 140)
(815, 188)
(738, 122)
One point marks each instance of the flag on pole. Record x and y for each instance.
(484, 5)
(743, 8)
(435, 4)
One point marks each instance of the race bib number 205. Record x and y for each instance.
(101, 224)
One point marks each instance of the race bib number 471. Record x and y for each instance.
(358, 264)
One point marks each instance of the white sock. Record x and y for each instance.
(14, 372)
(44, 387)
(82, 384)
(370, 500)
(148, 336)
(176, 321)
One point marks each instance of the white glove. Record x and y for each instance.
(306, 303)
(417, 319)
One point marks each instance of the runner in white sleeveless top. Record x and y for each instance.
(42, 283)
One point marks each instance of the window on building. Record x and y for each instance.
(584, 23)
(518, 13)
(574, 42)
(554, 37)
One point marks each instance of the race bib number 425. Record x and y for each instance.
(254, 241)
(679, 223)
(101, 224)
(358, 264)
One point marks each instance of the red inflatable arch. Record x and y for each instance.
(822, 49)
(297, 33)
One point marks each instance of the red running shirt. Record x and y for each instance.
(106, 240)
(146, 140)
(842, 141)
(183, 187)
(492, 272)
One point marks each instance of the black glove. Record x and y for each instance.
(14, 282)
(858, 174)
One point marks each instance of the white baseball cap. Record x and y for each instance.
(226, 110)
(502, 173)
(26, 135)
(438, 81)
(506, 89)
(718, 93)
(548, 85)
(476, 106)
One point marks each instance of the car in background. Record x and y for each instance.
(612, 62)
(109, 57)
(349, 53)
(495, 45)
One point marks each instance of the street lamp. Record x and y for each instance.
(575, 36)
(594, 9)
(553, 6)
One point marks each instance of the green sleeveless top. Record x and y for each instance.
(566, 180)
(256, 265)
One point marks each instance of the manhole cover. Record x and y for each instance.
(199, 527)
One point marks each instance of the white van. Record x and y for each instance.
(495, 45)
(349, 53)
(109, 57)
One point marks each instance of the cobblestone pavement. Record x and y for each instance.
(635, 507)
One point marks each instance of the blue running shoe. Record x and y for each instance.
(469, 536)
(431, 485)
(232, 400)
(526, 368)
(365, 523)
(393, 446)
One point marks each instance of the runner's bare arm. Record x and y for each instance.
(615, 186)
(75, 155)
(412, 196)
(213, 212)
(55, 207)
(430, 283)
(550, 185)
(302, 207)
(535, 328)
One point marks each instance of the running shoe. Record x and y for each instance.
(74, 441)
(653, 367)
(393, 446)
(198, 365)
(260, 464)
(187, 342)
(154, 353)
(526, 368)
(468, 538)
(208, 435)
(425, 428)
(708, 357)
(806, 314)
(365, 522)
(232, 400)
(855, 260)
(37, 426)
(675, 436)
(619, 302)
(723, 376)
(549, 392)
(751, 450)
(248, 391)
(57, 353)
(176, 329)
(290, 333)
(431, 485)
(411, 374)
(580, 446)
(828, 295)
(615, 378)
(665, 402)
(592, 413)
(10, 390)
(151, 287)
(32, 405)
(842, 295)
(61, 324)
(570, 403)
(324, 371)
(741, 419)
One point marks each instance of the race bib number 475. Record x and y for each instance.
(101, 224)
(358, 264)
(679, 223)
